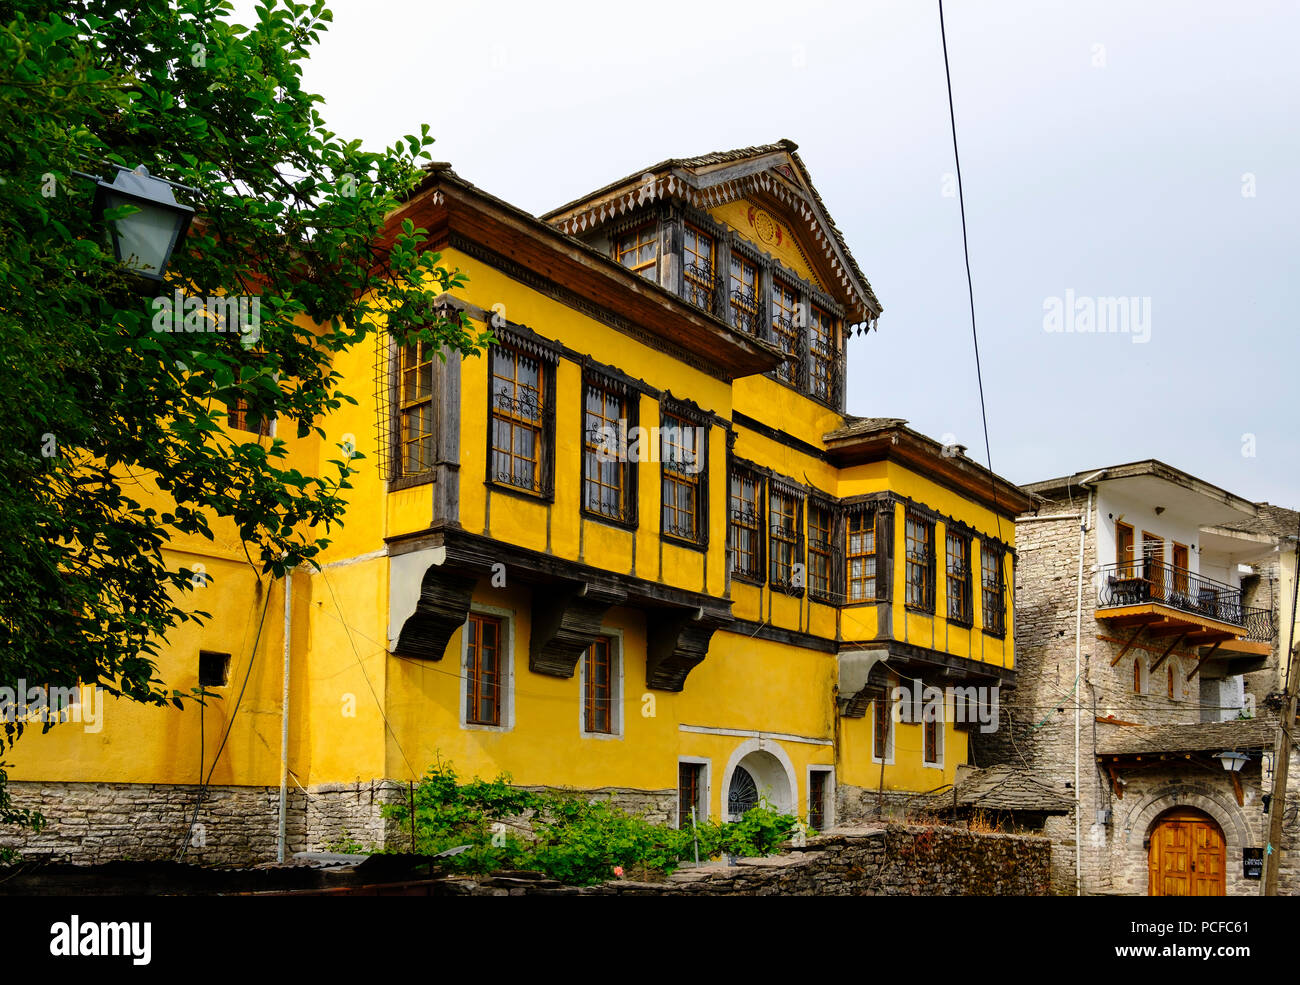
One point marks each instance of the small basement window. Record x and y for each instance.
(214, 669)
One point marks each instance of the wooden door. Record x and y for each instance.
(1187, 856)
(1124, 549)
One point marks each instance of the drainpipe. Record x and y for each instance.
(284, 717)
(1078, 644)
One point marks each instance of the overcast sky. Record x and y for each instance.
(1109, 149)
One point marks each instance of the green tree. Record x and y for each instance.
(94, 403)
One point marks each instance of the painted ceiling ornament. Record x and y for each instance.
(767, 228)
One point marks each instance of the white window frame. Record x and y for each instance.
(828, 808)
(889, 743)
(616, 688)
(706, 788)
(507, 617)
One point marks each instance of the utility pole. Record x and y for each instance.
(1282, 750)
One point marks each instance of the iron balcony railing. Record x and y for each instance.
(1145, 581)
(699, 284)
(1260, 627)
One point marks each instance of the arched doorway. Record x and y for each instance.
(758, 776)
(1187, 855)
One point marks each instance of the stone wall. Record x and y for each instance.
(894, 861)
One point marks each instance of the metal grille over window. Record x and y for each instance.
(784, 537)
(785, 329)
(606, 472)
(516, 419)
(994, 587)
(681, 461)
(959, 578)
(824, 384)
(744, 295)
(699, 280)
(920, 562)
(746, 525)
(742, 797)
(820, 551)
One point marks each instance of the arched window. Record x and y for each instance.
(1137, 676)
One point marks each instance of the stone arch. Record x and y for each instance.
(1225, 812)
(771, 769)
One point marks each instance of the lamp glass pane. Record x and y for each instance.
(143, 240)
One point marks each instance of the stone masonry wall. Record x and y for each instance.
(893, 861)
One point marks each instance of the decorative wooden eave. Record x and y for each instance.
(772, 174)
(569, 601)
(457, 214)
(891, 441)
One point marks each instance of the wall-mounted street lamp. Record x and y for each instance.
(1232, 761)
(144, 240)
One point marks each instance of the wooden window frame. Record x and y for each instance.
(821, 551)
(993, 599)
(786, 338)
(626, 514)
(780, 576)
(822, 330)
(407, 405)
(674, 475)
(699, 273)
(700, 770)
(1181, 571)
(867, 520)
(649, 269)
(1124, 565)
(1137, 675)
(751, 521)
(543, 425)
(613, 725)
(959, 578)
(237, 419)
(882, 725)
(475, 690)
(932, 741)
(919, 567)
(744, 301)
(821, 804)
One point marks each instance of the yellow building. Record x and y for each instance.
(638, 547)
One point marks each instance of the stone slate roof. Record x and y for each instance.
(864, 425)
(1002, 788)
(1276, 521)
(1253, 733)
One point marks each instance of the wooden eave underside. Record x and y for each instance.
(953, 472)
(448, 209)
(727, 183)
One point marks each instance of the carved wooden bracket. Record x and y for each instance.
(566, 621)
(442, 609)
(677, 640)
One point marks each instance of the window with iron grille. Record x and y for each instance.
(817, 787)
(518, 436)
(483, 671)
(785, 327)
(746, 525)
(607, 471)
(821, 351)
(415, 402)
(598, 680)
(697, 267)
(744, 294)
(959, 578)
(920, 562)
(994, 590)
(861, 556)
(682, 457)
(638, 249)
(690, 794)
(821, 551)
(783, 533)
